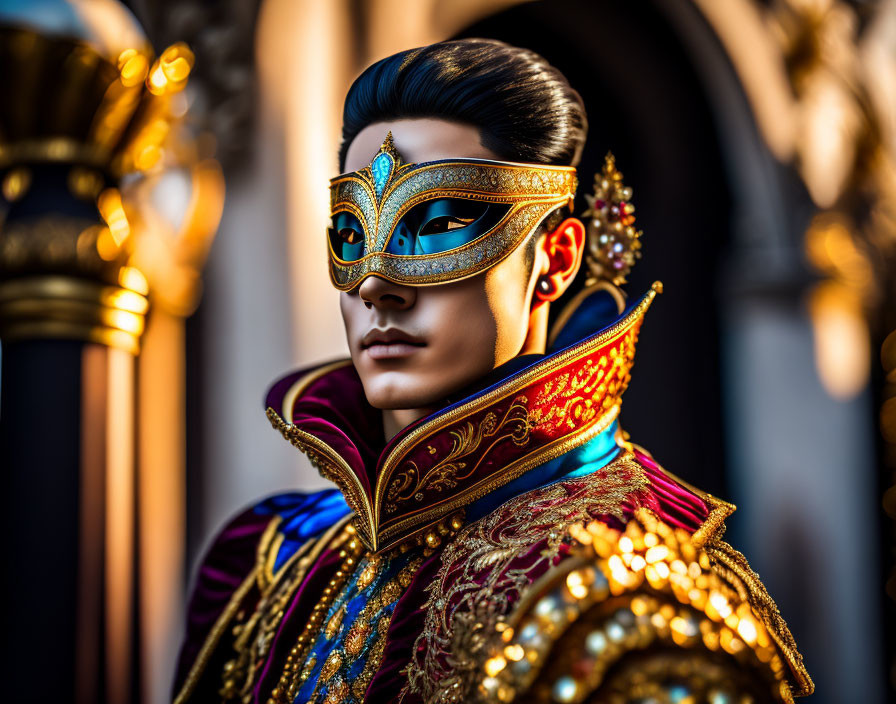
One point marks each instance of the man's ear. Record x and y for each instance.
(563, 247)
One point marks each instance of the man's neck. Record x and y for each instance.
(395, 420)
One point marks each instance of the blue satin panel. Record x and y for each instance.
(595, 313)
(304, 516)
(590, 457)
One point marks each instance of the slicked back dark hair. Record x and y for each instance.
(523, 107)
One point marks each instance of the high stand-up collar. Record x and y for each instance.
(424, 477)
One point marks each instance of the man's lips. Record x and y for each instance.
(390, 344)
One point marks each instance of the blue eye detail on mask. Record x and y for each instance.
(443, 224)
(347, 237)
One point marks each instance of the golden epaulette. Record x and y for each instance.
(646, 614)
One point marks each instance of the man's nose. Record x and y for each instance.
(382, 294)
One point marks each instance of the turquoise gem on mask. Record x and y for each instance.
(381, 168)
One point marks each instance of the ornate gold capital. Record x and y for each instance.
(87, 106)
(71, 308)
(65, 277)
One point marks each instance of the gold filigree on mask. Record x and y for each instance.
(380, 194)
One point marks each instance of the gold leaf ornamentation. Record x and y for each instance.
(482, 573)
(466, 440)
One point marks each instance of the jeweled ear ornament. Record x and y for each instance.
(613, 243)
(545, 286)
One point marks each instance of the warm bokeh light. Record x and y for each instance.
(170, 71)
(15, 184)
(157, 80)
(106, 245)
(132, 278)
(827, 144)
(177, 62)
(133, 67)
(837, 307)
(112, 210)
(842, 342)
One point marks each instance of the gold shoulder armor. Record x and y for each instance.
(647, 614)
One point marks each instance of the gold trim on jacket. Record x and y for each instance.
(540, 413)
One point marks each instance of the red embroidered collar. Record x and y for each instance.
(432, 469)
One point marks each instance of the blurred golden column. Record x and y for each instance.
(177, 233)
(89, 121)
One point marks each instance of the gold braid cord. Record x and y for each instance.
(733, 566)
(642, 615)
(254, 629)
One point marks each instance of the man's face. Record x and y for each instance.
(413, 346)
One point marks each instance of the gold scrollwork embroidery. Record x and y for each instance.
(466, 440)
(254, 635)
(365, 637)
(577, 397)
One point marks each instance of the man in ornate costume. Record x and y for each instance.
(494, 536)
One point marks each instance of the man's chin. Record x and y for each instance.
(402, 391)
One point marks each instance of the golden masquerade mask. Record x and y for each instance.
(437, 221)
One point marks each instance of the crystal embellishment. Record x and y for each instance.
(381, 168)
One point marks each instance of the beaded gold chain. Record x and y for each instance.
(287, 687)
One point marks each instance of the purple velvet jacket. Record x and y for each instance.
(377, 592)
